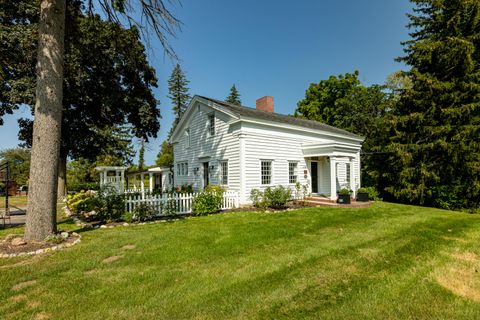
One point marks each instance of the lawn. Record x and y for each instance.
(385, 262)
(17, 201)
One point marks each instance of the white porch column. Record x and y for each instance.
(352, 177)
(142, 185)
(105, 177)
(135, 182)
(122, 181)
(150, 182)
(101, 178)
(333, 178)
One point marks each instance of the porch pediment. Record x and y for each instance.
(335, 149)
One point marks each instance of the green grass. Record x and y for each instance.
(17, 201)
(385, 262)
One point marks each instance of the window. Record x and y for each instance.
(347, 170)
(211, 124)
(292, 172)
(182, 169)
(187, 137)
(266, 172)
(224, 173)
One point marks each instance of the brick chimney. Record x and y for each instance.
(265, 104)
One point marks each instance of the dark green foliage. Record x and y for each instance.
(141, 155)
(112, 204)
(208, 201)
(165, 156)
(77, 187)
(434, 150)
(178, 94)
(143, 212)
(234, 96)
(275, 198)
(344, 192)
(372, 193)
(19, 160)
(107, 83)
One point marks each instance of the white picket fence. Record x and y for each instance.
(180, 203)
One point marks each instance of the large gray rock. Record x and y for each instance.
(18, 242)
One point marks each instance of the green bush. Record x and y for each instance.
(257, 198)
(372, 193)
(77, 187)
(112, 204)
(277, 197)
(208, 201)
(143, 212)
(344, 192)
(83, 201)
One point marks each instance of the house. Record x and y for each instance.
(243, 148)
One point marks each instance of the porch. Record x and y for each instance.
(150, 180)
(332, 167)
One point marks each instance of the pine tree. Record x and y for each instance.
(141, 155)
(435, 146)
(178, 94)
(234, 97)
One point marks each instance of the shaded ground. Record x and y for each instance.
(383, 262)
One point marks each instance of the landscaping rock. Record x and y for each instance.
(64, 235)
(18, 242)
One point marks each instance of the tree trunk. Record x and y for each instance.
(62, 177)
(42, 200)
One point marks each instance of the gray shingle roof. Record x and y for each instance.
(281, 118)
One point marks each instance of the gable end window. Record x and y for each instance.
(292, 172)
(224, 172)
(187, 137)
(211, 124)
(266, 172)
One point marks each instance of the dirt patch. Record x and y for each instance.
(7, 245)
(129, 247)
(92, 271)
(466, 256)
(22, 285)
(461, 281)
(33, 304)
(454, 239)
(18, 298)
(41, 316)
(112, 259)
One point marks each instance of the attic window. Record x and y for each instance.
(211, 124)
(187, 137)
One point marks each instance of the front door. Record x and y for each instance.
(314, 174)
(206, 181)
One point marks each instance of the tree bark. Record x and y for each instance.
(42, 200)
(62, 177)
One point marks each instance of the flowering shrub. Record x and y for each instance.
(208, 201)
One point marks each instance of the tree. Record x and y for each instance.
(234, 96)
(165, 156)
(434, 149)
(141, 155)
(344, 103)
(178, 94)
(105, 69)
(19, 159)
(49, 95)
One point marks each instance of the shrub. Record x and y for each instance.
(83, 201)
(112, 204)
(77, 187)
(127, 217)
(257, 198)
(208, 201)
(169, 208)
(277, 197)
(143, 212)
(372, 193)
(344, 192)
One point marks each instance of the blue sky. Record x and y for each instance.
(271, 47)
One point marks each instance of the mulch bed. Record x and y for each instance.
(6, 246)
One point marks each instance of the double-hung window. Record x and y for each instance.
(266, 172)
(224, 172)
(292, 172)
(182, 169)
(211, 124)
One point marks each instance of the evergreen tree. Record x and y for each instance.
(178, 94)
(165, 156)
(141, 155)
(435, 148)
(234, 96)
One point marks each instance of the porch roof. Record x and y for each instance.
(331, 149)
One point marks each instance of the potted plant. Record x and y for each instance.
(344, 196)
(363, 195)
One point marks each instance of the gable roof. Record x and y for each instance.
(242, 111)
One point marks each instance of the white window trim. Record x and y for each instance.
(271, 172)
(221, 162)
(296, 171)
(188, 141)
(209, 115)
